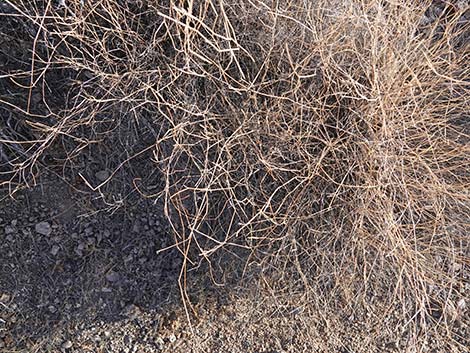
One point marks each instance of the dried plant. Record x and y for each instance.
(329, 139)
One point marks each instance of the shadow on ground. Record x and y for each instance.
(76, 276)
(63, 266)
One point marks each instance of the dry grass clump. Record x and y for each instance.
(329, 138)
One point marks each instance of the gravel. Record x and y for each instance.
(102, 175)
(5, 298)
(55, 250)
(113, 277)
(43, 228)
(67, 345)
(9, 230)
(160, 343)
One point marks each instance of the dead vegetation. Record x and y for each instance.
(329, 139)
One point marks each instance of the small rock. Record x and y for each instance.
(136, 228)
(131, 311)
(14, 222)
(5, 297)
(67, 345)
(36, 98)
(113, 277)
(79, 249)
(172, 338)
(9, 230)
(43, 228)
(456, 267)
(55, 250)
(160, 343)
(102, 175)
(461, 304)
(52, 308)
(127, 340)
(107, 334)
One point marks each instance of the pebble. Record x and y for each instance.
(5, 298)
(55, 250)
(172, 338)
(136, 228)
(127, 340)
(43, 228)
(160, 343)
(67, 345)
(79, 249)
(113, 277)
(102, 175)
(9, 230)
(131, 311)
(461, 304)
(456, 267)
(36, 98)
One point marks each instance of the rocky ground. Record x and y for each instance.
(76, 279)
(65, 270)
(95, 271)
(73, 279)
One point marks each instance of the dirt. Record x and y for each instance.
(63, 270)
(78, 279)
(95, 271)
